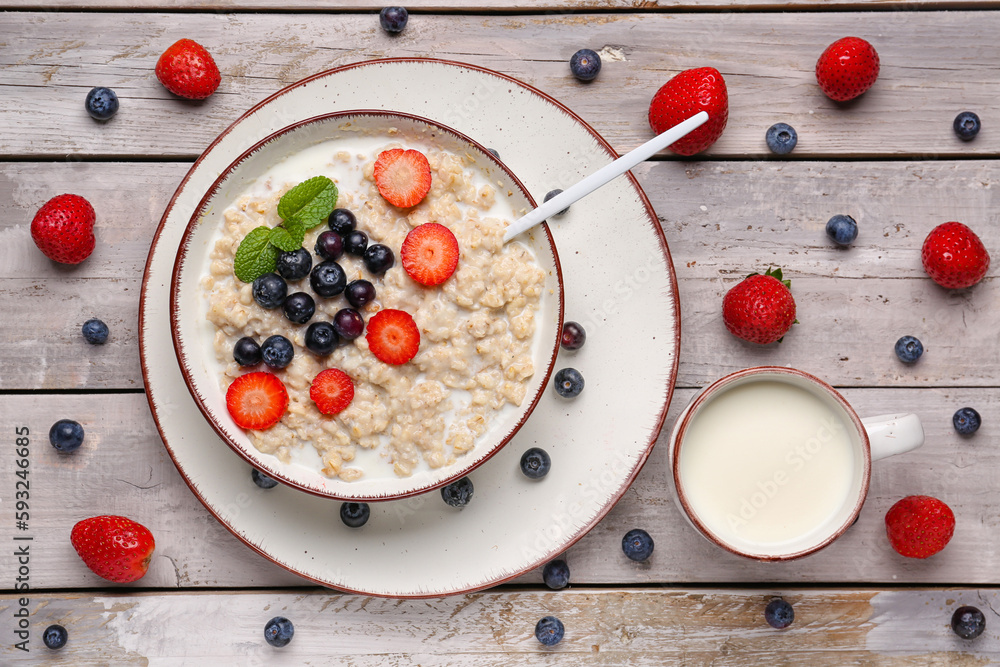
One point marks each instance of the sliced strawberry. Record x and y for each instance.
(332, 391)
(430, 253)
(257, 400)
(402, 177)
(393, 336)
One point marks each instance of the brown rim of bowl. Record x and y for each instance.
(182, 358)
(669, 389)
(713, 389)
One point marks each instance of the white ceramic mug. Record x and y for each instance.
(771, 463)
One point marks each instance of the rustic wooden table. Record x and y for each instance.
(889, 159)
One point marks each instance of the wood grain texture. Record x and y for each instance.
(768, 60)
(723, 220)
(668, 626)
(122, 468)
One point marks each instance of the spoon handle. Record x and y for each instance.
(603, 175)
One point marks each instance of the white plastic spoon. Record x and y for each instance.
(600, 177)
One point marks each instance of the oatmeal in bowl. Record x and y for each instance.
(347, 316)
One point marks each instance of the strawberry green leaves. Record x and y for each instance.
(305, 206)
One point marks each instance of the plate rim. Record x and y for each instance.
(664, 248)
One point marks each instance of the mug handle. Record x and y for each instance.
(893, 434)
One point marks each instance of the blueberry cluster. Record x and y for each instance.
(327, 280)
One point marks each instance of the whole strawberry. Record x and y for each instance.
(113, 547)
(63, 229)
(919, 526)
(847, 68)
(954, 257)
(760, 309)
(691, 91)
(188, 70)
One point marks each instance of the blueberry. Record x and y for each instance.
(779, 614)
(359, 293)
(967, 622)
(573, 336)
(379, 258)
(328, 279)
(843, 229)
(781, 138)
(549, 631)
(348, 323)
(246, 352)
(294, 265)
(66, 435)
(568, 382)
(102, 103)
(495, 153)
(355, 515)
(967, 125)
(585, 64)
(556, 574)
(909, 349)
(55, 637)
(458, 494)
(277, 351)
(278, 631)
(552, 193)
(966, 421)
(637, 544)
(269, 291)
(321, 338)
(393, 19)
(355, 243)
(535, 463)
(342, 221)
(299, 308)
(262, 480)
(95, 331)
(329, 245)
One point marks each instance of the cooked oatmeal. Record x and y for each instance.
(476, 330)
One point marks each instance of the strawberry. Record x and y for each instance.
(430, 253)
(847, 68)
(402, 177)
(332, 391)
(257, 400)
(188, 70)
(760, 309)
(114, 547)
(919, 526)
(691, 91)
(63, 229)
(954, 257)
(393, 336)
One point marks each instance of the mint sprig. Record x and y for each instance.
(305, 206)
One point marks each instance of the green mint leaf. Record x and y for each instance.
(310, 202)
(288, 237)
(255, 256)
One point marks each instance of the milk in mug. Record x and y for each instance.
(770, 467)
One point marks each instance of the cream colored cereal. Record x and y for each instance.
(476, 329)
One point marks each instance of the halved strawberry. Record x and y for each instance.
(430, 253)
(332, 391)
(257, 400)
(402, 177)
(393, 336)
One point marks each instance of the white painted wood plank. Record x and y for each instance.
(123, 469)
(52, 59)
(668, 626)
(419, 7)
(722, 220)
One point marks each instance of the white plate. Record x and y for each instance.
(304, 150)
(619, 283)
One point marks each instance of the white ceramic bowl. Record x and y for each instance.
(192, 333)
